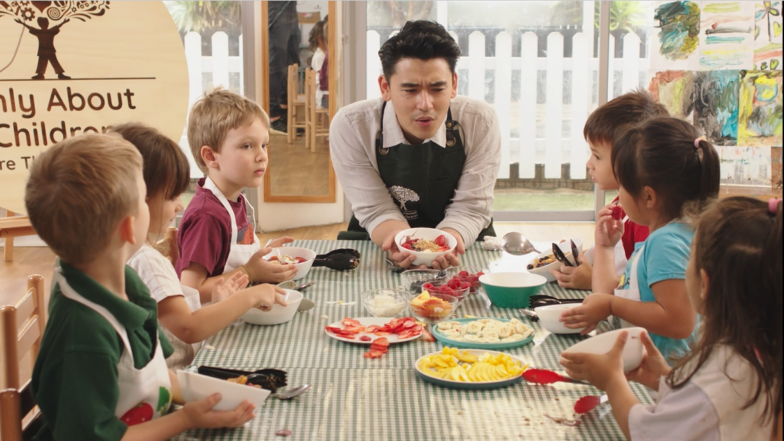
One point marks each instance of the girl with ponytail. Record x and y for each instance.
(662, 167)
(729, 387)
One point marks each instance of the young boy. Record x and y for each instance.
(228, 135)
(598, 270)
(101, 373)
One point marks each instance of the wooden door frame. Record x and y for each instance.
(332, 10)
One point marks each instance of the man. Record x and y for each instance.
(284, 40)
(421, 156)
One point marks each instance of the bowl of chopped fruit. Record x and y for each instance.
(301, 258)
(427, 244)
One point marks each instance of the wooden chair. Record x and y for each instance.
(295, 101)
(315, 127)
(12, 226)
(20, 418)
(168, 245)
(23, 327)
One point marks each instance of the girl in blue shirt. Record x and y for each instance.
(662, 166)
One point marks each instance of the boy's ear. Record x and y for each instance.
(127, 233)
(208, 156)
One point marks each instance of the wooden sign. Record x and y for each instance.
(73, 67)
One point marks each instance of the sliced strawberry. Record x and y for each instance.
(350, 322)
(365, 337)
(334, 329)
(300, 259)
(382, 333)
(428, 336)
(381, 341)
(372, 328)
(440, 241)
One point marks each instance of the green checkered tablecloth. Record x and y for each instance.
(354, 398)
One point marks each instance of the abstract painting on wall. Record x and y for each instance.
(678, 37)
(674, 89)
(760, 108)
(745, 166)
(767, 36)
(777, 173)
(727, 37)
(716, 105)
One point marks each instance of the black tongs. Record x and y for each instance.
(341, 260)
(575, 253)
(269, 379)
(560, 256)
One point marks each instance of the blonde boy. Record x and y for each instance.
(228, 135)
(101, 373)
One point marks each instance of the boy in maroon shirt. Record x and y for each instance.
(228, 135)
(602, 126)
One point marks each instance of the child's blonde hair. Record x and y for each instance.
(78, 192)
(214, 115)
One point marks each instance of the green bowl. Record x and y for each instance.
(511, 290)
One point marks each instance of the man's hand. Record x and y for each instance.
(595, 308)
(401, 259)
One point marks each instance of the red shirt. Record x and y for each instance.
(632, 234)
(205, 232)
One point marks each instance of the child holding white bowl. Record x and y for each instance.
(730, 386)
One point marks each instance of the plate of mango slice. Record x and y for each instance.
(470, 369)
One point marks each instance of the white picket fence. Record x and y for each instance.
(556, 147)
(219, 64)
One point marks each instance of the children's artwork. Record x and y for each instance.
(745, 166)
(727, 39)
(679, 35)
(674, 89)
(716, 105)
(767, 36)
(759, 110)
(777, 173)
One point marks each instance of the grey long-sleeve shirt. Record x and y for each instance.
(352, 138)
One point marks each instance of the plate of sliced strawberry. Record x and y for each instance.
(365, 330)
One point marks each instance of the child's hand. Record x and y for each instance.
(574, 278)
(653, 366)
(595, 308)
(223, 290)
(597, 369)
(266, 295)
(279, 242)
(608, 230)
(266, 272)
(199, 414)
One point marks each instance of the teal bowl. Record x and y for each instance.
(511, 290)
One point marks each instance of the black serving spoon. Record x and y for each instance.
(560, 256)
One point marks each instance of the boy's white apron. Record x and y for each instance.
(146, 388)
(632, 292)
(238, 254)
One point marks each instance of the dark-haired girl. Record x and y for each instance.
(730, 386)
(661, 165)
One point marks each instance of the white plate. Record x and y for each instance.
(367, 321)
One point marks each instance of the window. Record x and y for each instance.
(212, 38)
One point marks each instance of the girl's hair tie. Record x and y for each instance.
(698, 147)
(773, 205)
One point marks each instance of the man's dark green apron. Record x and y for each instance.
(421, 179)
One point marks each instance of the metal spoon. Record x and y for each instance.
(517, 245)
(289, 394)
(292, 285)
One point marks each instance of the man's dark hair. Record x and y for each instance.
(420, 39)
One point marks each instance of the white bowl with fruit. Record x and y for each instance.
(427, 244)
(301, 258)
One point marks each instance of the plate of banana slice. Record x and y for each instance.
(484, 333)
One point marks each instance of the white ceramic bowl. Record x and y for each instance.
(198, 387)
(424, 233)
(549, 315)
(602, 343)
(302, 268)
(278, 314)
(566, 247)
